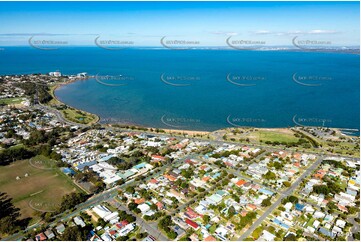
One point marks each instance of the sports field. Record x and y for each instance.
(272, 135)
(9, 101)
(35, 185)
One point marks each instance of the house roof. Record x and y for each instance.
(139, 200)
(158, 157)
(159, 205)
(169, 177)
(60, 228)
(190, 213)
(210, 238)
(191, 223)
(252, 206)
(299, 207)
(240, 182)
(40, 237)
(206, 178)
(154, 181)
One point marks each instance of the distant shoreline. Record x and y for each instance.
(339, 50)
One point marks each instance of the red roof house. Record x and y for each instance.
(192, 223)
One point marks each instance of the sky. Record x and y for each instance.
(200, 23)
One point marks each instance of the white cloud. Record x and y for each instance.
(225, 33)
(295, 32)
(262, 32)
(322, 31)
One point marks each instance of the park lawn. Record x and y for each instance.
(342, 147)
(9, 101)
(79, 116)
(273, 135)
(72, 114)
(42, 190)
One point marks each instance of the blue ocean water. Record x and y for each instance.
(211, 89)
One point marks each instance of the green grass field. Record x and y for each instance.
(41, 190)
(273, 136)
(10, 101)
(79, 116)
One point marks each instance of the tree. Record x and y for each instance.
(9, 215)
(171, 234)
(324, 189)
(231, 211)
(266, 202)
(270, 175)
(235, 198)
(132, 206)
(287, 183)
(206, 219)
(10, 155)
(71, 200)
(187, 173)
(290, 237)
(140, 235)
(130, 190)
(356, 236)
(291, 199)
(153, 207)
(74, 233)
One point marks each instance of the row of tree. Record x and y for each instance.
(10, 221)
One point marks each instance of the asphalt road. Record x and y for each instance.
(355, 227)
(97, 199)
(288, 192)
(59, 116)
(64, 216)
(216, 142)
(150, 227)
(110, 193)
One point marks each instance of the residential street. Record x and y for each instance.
(278, 202)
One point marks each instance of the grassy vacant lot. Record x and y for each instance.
(10, 101)
(280, 135)
(41, 190)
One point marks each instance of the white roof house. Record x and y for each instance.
(288, 206)
(267, 236)
(318, 214)
(316, 224)
(144, 207)
(105, 213)
(102, 211)
(222, 231)
(340, 223)
(79, 221)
